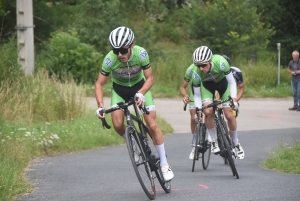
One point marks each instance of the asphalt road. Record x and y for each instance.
(107, 174)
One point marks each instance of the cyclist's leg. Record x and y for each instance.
(118, 115)
(157, 136)
(234, 113)
(228, 112)
(232, 124)
(207, 98)
(192, 116)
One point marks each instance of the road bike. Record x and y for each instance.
(202, 146)
(227, 150)
(142, 152)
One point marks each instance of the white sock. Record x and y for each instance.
(123, 136)
(162, 154)
(234, 137)
(194, 138)
(212, 134)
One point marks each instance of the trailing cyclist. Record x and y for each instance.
(191, 72)
(131, 77)
(215, 75)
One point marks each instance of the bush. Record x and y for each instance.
(66, 54)
(38, 98)
(10, 69)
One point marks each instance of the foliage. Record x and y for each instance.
(66, 54)
(97, 18)
(145, 37)
(51, 16)
(10, 69)
(284, 16)
(228, 27)
(7, 19)
(38, 98)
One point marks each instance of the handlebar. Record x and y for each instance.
(120, 106)
(215, 103)
(184, 107)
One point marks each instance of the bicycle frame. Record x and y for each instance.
(144, 148)
(225, 144)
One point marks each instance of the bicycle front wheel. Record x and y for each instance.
(155, 162)
(139, 162)
(196, 152)
(206, 149)
(226, 150)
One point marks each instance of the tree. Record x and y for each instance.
(284, 16)
(8, 19)
(228, 27)
(97, 18)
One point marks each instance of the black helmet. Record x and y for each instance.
(227, 58)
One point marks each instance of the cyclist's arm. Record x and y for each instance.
(197, 97)
(232, 83)
(240, 92)
(149, 81)
(182, 88)
(99, 88)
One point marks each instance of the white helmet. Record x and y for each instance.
(121, 37)
(202, 55)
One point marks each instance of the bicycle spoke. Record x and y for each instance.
(140, 164)
(196, 152)
(155, 163)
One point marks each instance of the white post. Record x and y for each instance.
(25, 35)
(278, 47)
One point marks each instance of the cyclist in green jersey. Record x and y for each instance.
(131, 77)
(189, 99)
(215, 75)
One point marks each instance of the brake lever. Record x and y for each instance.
(104, 122)
(143, 108)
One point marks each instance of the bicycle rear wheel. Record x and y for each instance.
(155, 162)
(206, 148)
(139, 162)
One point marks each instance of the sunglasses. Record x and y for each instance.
(121, 50)
(202, 65)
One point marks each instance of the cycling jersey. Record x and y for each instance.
(127, 77)
(129, 73)
(237, 74)
(219, 78)
(192, 75)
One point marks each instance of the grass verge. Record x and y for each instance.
(20, 143)
(284, 158)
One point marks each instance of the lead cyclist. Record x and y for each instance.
(215, 75)
(132, 76)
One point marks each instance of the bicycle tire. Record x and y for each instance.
(229, 143)
(196, 152)
(223, 150)
(206, 148)
(227, 151)
(230, 159)
(155, 161)
(140, 164)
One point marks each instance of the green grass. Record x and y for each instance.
(284, 158)
(19, 143)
